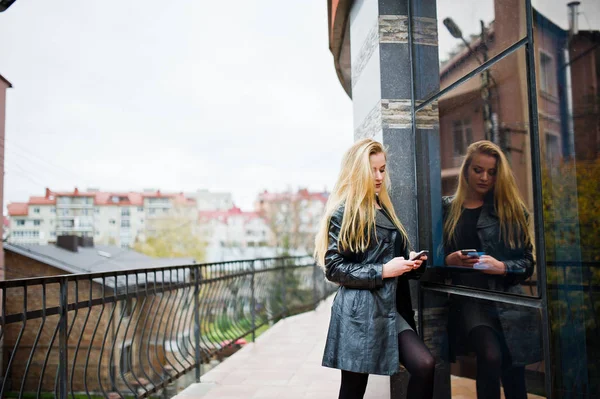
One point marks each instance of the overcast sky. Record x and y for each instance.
(235, 96)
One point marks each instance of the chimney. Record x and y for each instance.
(573, 17)
(48, 193)
(70, 243)
(85, 242)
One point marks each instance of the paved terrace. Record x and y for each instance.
(285, 362)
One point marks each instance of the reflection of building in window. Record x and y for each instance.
(463, 136)
(547, 73)
(552, 149)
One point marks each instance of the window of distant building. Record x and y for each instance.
(140, 209)
(463, 136)
(547, 73)
(37, 222)
(125, 223)
(36, 210)
(52, 210)
(552, 148)
(21, 222)
(112, 221)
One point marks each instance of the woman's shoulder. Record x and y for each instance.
(447, 200)
(338, 214)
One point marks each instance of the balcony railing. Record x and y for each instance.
(132, 333)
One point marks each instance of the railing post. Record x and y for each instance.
(253, 300)
(62, 339)
(283, 287)
(197, 322)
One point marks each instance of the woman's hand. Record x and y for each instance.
(458, 259)
(418, 262)
(490, 265)
(397, 267)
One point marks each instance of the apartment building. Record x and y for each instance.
(111, 218)
(293, 217)
(233, 228)
(212, 201)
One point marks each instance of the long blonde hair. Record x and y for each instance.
(355, 189)
(508, 202)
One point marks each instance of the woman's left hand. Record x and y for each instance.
(490, 265)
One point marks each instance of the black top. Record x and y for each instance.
(466, 238)
(466, 231)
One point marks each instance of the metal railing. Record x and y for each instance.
(132, 333)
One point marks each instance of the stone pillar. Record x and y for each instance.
(384, 85)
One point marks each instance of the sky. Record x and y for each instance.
(233, 96)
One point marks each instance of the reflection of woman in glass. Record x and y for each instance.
(487, 216)
(364, 248)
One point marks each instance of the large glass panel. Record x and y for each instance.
(487, 204)
(487, 347)
(469, 33)
(568, 70)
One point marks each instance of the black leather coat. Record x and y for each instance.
(362, 333)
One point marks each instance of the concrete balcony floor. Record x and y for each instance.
(285, 362)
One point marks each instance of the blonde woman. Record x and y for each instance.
(486, 233)
(363, 247)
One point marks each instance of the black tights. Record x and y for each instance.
(493, 364)
(414, 356)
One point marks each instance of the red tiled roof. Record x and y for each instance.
(42, 201)
(287, 196)
(225, 215)
(105, 198)
(74, 193)
(18, 209)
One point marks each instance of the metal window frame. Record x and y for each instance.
(539, 302)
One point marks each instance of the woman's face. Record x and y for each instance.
(481, 175)
(378, 168)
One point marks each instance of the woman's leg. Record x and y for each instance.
(513, 381)
(353, 385)
(489, 361)
(419, 362)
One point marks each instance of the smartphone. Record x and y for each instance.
(420, 254)
(471, 252)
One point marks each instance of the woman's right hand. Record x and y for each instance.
(397, 267)
(458, 259)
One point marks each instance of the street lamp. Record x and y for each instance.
(488, 120)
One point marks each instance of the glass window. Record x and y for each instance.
(501, 340)
(547, 73)
(463, 136)
(20, 222)
(487, 236)
(568, 108)
(37, 222)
